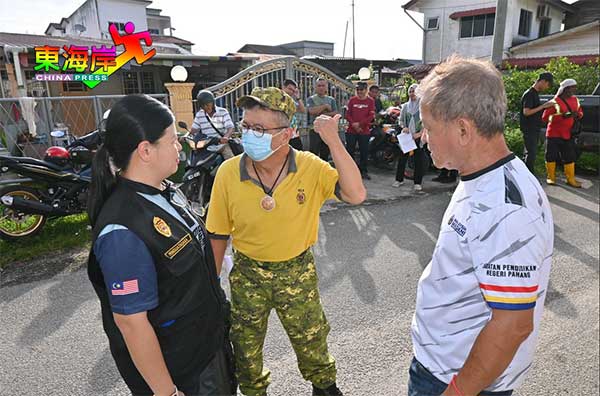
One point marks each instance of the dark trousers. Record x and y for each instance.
(296, 143)
(560, 149)
(317, 145)
(531, 141)
(214, 380)
(378, 135)
(447, 173)
(422, 383)
(419, 157)
(363, 146)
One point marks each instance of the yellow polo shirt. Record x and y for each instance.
(286, 231)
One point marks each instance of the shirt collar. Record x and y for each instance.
(292, 168)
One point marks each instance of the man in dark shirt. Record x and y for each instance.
(374, 94)
(531, 117)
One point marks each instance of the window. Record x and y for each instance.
(120, 26)
(130, 83)
(544, 27)
(154, 31)
(477, 26)
(525, 23)
(433, 23)
(73, 86)
(148, 82)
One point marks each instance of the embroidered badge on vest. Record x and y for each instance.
(301, 197)
(162, 227)
(183, 242)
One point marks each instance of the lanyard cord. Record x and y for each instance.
(269, 193)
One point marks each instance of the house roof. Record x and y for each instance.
(417, 71)
(170, 39)
(557, 3)
(410, 4)
(307, 41)
(468, 13)
(56, 26)
(265, 49)
(557, 35)
(531, 63)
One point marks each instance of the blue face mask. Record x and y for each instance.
(258, 148)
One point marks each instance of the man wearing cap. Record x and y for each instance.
(531, 117)
(268, 201)
(565, 110)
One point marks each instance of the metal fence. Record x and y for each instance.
(26, 123)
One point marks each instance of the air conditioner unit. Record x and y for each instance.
(543, 11)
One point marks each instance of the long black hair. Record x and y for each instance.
(133, 119)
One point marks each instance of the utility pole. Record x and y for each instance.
(345, 37)
(353, 34)
(499, 32)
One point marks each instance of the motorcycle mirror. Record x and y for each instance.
(182, 124)
(57, 134)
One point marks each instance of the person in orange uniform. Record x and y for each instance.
(559, 143)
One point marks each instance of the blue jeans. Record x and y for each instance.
(422, 383)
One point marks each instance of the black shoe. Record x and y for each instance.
(448, 180)
(333, 390)
(366, 176)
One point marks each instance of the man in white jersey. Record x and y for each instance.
(480, 299)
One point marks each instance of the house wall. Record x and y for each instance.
(581, 43)
(121, 11)
(514, 12)
(307, 48)
(158, 23)
(445, 41)
(87, 16)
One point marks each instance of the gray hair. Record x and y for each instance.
(466, 88)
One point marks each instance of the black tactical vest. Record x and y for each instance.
(188, 288)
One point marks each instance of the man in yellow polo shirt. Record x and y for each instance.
(268, 201)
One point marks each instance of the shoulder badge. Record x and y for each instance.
(161, 227)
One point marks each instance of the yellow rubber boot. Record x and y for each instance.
(570, 173)
(551, 173)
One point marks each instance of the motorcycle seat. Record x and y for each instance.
(38, 162)
(205, 159)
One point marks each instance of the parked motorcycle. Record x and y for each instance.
(200, 171)
(54, 187)
(383, 145)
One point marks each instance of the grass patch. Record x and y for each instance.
(56, 236)
(588, 163)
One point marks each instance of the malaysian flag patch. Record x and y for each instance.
(124, 288)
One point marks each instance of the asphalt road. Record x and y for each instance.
(369, 260)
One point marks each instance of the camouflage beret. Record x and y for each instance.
(271, 98)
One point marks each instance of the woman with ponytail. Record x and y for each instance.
(163, 310)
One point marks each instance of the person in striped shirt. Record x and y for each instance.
(212, 121)
(481, 298)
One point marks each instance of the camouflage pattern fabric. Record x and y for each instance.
(289, 287)
(272, 98)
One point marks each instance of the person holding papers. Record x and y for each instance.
(410, 123)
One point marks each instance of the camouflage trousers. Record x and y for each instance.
(289, 287)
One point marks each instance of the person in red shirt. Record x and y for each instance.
(360, 115)
(559, 143)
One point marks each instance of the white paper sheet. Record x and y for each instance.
(406, 142)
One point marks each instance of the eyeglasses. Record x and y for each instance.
(258, 131)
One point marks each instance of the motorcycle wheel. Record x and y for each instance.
(15, 225)
(197, 195)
